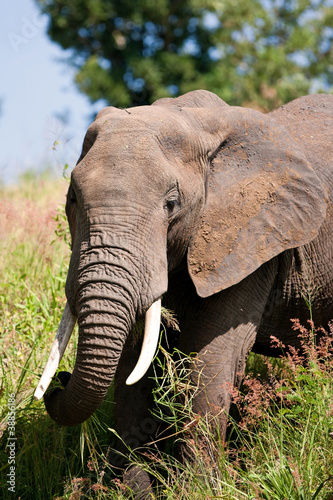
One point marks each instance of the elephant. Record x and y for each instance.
(223, 213)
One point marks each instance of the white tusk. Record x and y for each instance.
(64, 332)
(149, 344)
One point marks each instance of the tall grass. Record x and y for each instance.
(279, 447)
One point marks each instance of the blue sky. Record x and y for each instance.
(36, 89)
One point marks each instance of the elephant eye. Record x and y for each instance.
(171, 204)
(172, 201)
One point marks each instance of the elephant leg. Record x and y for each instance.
(221, 331)
(135, 424)
(139, 483)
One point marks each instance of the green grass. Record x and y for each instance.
(280, 447)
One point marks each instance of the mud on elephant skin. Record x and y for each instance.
(224, 212)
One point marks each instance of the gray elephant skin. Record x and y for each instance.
(224, 212)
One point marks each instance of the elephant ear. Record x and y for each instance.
(194, 99)
(262, 198)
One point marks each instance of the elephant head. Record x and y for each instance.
(186, 181)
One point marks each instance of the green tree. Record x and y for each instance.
(260, 53)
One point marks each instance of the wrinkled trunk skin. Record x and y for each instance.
(107, 297)
(101, 337)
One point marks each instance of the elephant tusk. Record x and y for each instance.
(149, 344)
(64, 332)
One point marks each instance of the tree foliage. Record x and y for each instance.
(259, 53)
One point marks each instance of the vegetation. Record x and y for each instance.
(261, 54)
(279, 447)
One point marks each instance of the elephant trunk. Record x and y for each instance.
(113, 279)
(102, 333)
(108, 298)
(149, 345)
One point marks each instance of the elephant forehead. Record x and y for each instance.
(136, 150)
(120, 165)
(145, 127)
(117, 167)
(119, 147)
